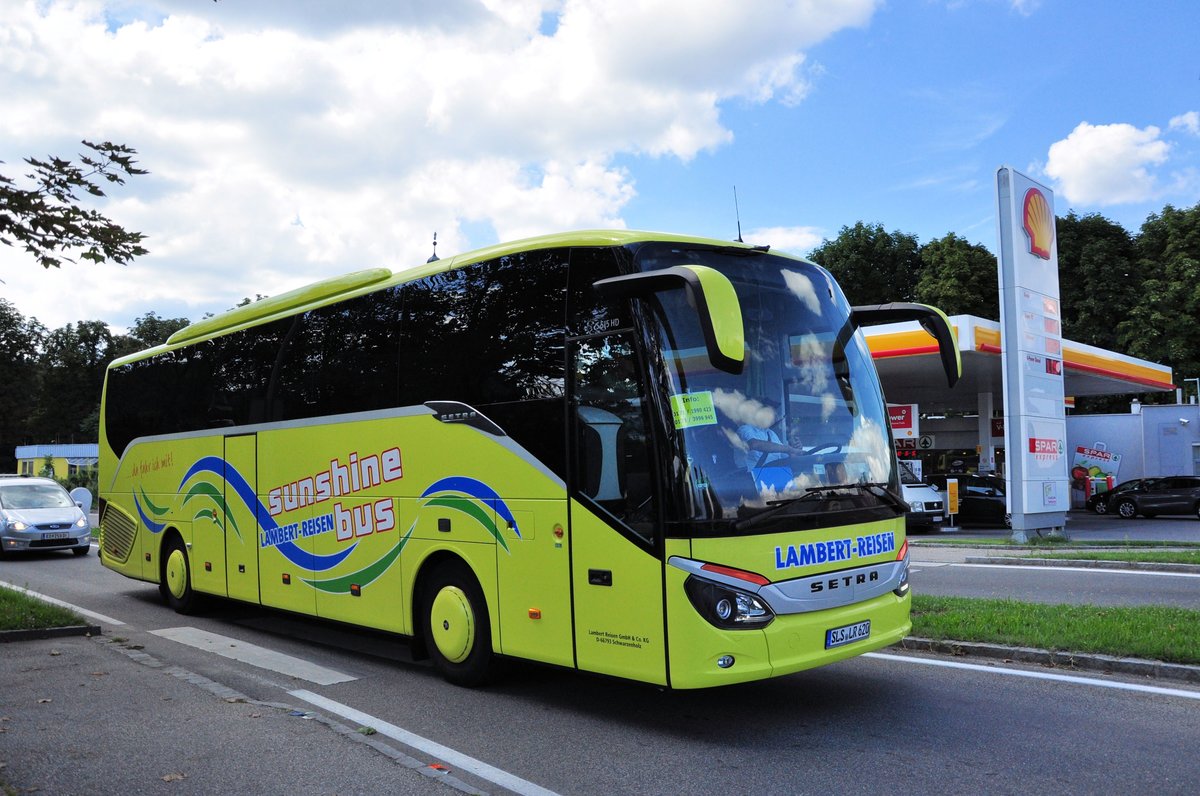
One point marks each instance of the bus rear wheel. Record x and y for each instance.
(176, 582)
(455, 625)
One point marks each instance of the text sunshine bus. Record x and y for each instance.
(655, 457)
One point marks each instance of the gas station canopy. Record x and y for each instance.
(907, 359)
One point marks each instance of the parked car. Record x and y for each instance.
(38, 514)
(925, 505)
(980, 498)
(1098, 502)
(1176, 494)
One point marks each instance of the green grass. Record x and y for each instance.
(990, 541)
(21, 612)
(1152, 632)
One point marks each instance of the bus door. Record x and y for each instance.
(616, 578)
(241, 501)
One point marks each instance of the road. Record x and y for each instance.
(1055, 584)
(871, 724)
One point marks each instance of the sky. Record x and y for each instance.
(292, 140)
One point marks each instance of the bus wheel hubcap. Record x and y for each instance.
(176, 574)
(453, 624)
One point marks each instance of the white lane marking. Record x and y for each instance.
(1089, 570)
(254, 655)
(434, 749)
(1062, 678)
(108, 620)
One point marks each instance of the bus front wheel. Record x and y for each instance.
(176, 582)
(455, 625)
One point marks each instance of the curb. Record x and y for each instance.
(1104, 664)
(1084, 564)
(49, 632)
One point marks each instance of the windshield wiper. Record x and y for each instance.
(877, 489)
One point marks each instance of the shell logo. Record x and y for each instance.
(1038, 223)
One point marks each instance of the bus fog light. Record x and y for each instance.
(725, 661)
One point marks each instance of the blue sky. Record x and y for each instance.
(291, 140)
(909, 117)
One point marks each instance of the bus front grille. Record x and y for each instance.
(117, 532)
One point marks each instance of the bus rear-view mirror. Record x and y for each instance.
(709, 292)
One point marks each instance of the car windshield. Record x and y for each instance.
(34, 496)
(805, 414)
(907, 476)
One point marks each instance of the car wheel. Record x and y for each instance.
(1197, 512)
(176, 582)
(81, 551)
(1127, 509)
(455, 624)
(1100, 507)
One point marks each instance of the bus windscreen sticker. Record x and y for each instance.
(693, 409)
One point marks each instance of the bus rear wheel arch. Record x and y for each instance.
(175, 576)
(454, 624)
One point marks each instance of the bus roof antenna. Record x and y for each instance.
(738, 215)
(433, 258)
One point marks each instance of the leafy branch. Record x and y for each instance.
(47, 220)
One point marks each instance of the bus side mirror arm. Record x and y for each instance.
(709, 292)
(931, 319)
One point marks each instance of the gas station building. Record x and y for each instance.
(961, 428)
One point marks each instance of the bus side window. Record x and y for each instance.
(490, 335)
(611, 441)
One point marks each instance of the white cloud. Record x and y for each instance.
(1188, 122)
(1107, 164)
(289, 140)
(798, 240)
(1026, 7)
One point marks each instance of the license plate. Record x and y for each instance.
(836, 637)
(56, 535)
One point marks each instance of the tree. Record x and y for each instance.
(1096, 266)
(959, 278)
(21, 341)
(73, 362)
(872, 265)
(147, 331)
(1161, 322)
(47, 220)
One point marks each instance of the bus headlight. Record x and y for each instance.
(726, 607)
(902, 589)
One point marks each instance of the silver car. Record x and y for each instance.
(38, 514)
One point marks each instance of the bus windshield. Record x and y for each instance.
(806, 413)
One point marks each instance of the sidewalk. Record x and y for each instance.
(84, 715)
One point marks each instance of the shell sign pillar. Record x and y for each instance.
(1031, 336)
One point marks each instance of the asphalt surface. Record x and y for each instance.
(88, 715)
(84, 715)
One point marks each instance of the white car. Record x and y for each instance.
(926, 507)
(38, 514)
